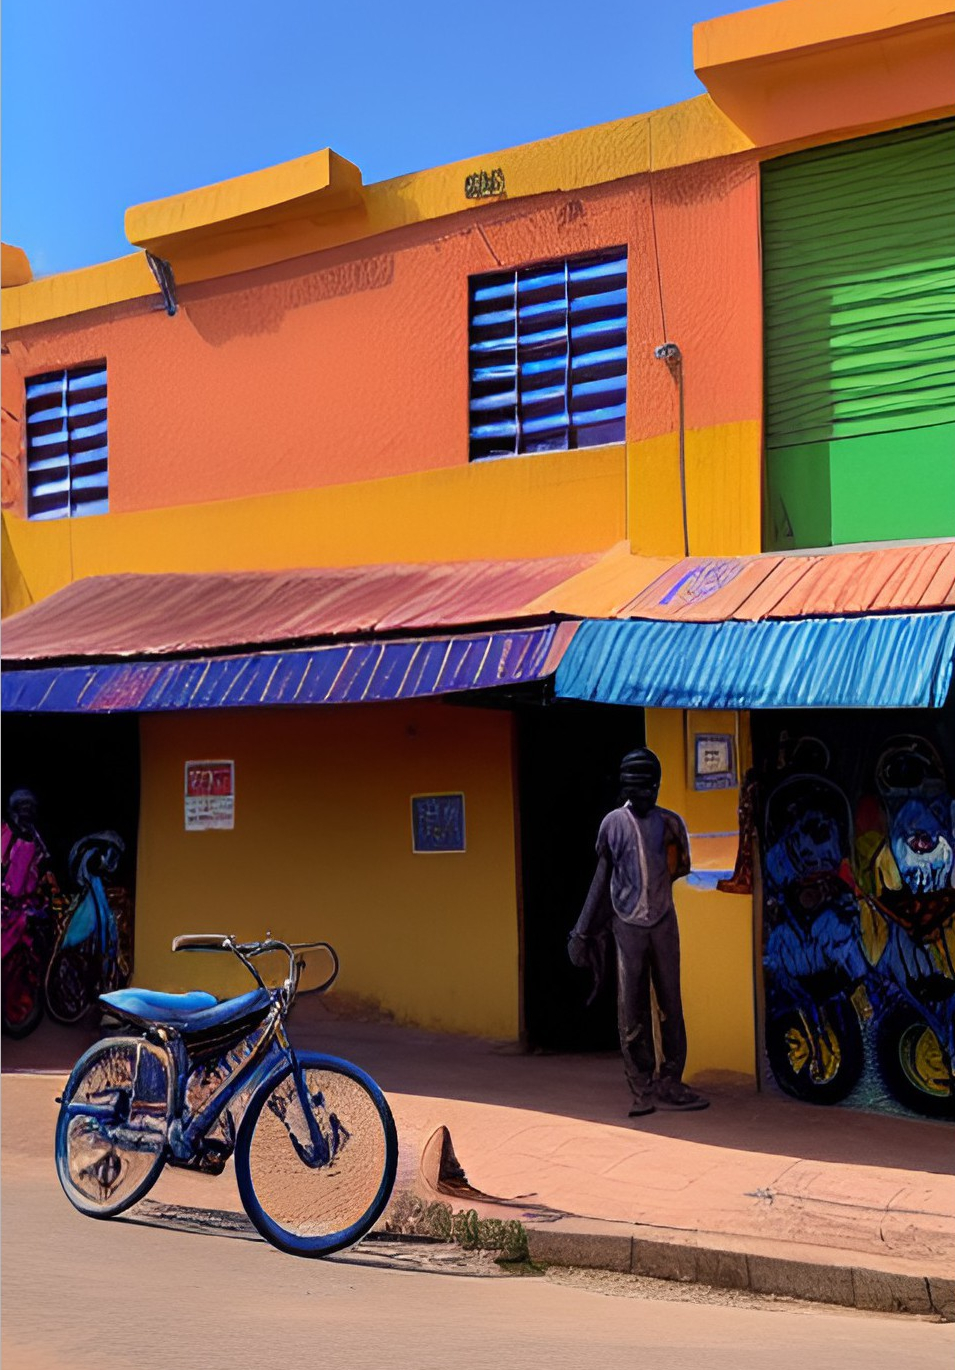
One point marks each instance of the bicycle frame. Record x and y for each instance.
(266, 1054)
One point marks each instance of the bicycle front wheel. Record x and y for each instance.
(312, 1190)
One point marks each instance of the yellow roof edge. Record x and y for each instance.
(15, 266)
(75, 292)
(243, 233)
(782, 29)
(286, 184)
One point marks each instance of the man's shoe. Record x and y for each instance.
(640, 1107)
(671, 1094)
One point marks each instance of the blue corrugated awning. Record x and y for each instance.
(873, 661)
(341, 673)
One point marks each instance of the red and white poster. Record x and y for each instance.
(210, 795)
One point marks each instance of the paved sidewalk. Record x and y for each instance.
(755, 1192)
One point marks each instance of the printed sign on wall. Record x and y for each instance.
(210, 795)
(437, 822)
(714, 761)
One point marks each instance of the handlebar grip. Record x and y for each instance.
(202, 941)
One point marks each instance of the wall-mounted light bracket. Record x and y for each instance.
(669, 353)
(165, 280)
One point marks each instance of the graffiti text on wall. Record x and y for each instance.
(482, 184)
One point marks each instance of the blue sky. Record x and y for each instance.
(107, 104)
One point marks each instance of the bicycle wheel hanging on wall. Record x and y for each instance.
(111, 1130)
(913, 1064)
(821, 1065)
(313, 1195)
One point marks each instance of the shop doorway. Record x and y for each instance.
(568, 760)
(71, 798)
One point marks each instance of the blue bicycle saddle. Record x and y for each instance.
(192, 1012)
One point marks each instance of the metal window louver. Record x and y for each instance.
(67, 443)
(548, 355)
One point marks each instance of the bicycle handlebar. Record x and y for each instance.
(217, 941)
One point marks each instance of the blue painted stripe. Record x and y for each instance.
(605, 299)
(502, 399)
(604, 271)
(341, 673)
(589, 416)
(873, 661)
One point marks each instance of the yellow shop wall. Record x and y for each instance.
(552, 504)
(716, 930)
(322, 849)
(723, 465)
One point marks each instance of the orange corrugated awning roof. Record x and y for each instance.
(800, 585)
(154, 615)
(142, 615)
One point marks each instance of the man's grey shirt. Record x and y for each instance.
(641, 886)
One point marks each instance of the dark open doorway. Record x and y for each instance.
(568, 760)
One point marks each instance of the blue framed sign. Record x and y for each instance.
(437, 823)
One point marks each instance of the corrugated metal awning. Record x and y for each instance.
(147, 615)
(883, 580)
(342, 673)
(873, 661)
(150, 615)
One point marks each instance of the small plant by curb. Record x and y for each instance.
(438, 1221)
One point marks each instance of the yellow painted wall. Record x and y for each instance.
(723, 491)
(550, 504)
(716, 930)
(322, 849)
(716, 947)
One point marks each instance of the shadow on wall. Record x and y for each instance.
(220, 315)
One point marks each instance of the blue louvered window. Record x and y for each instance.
(66, 443)
(548, 356)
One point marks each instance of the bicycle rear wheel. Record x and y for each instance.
(111, 1130)
(312, 1195)
(68, 995)
(22, 989)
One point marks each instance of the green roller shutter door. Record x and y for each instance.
(859, 310)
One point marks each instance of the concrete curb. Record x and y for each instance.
(724, 1263)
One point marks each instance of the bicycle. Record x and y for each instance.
(87, 957)
(313, 1137)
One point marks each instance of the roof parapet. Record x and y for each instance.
(187, 230)
(799, 69)
(15, 266)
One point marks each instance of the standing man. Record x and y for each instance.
(641, 850)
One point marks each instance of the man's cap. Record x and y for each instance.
(641, 762)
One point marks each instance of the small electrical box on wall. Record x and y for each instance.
(712, 749)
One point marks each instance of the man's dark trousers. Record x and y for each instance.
(642, 952)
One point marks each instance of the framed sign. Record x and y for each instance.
(714, 761)
(437, 823)
(209, 795)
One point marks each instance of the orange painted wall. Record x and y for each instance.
(352, 365)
